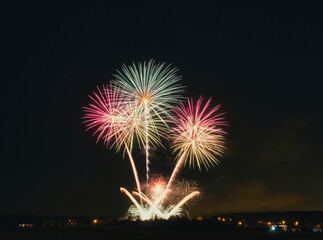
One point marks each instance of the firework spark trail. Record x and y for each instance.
(155, 89)
(181, 203)
(134, 169)
(153, 206)
(143, 196)
(147, 144)
(132, 199)
(154, 209)
(171, 179)
(158, 200)
(174, 173)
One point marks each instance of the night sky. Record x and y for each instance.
(263, 63)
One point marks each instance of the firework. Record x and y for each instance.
(104, 113)
(154, 89)
(137, 107)
(112, 115)
(197, 137)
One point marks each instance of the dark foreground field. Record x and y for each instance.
(156, 235)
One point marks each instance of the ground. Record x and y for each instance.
(156, 235)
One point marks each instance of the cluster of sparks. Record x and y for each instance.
(139, 106)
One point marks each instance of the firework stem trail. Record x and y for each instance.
(181, 203)
(132, 199)
(134, 169)
(174, 173)
(147, 144)
(159, 199)
(144, 197)
(153, 206)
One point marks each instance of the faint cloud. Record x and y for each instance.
(250, 197)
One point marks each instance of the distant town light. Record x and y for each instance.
(283, 222)
(26, 225)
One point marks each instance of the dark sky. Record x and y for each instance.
(263, 63)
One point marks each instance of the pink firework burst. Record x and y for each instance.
(106, 113)
(198, 136)
(115, 120)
